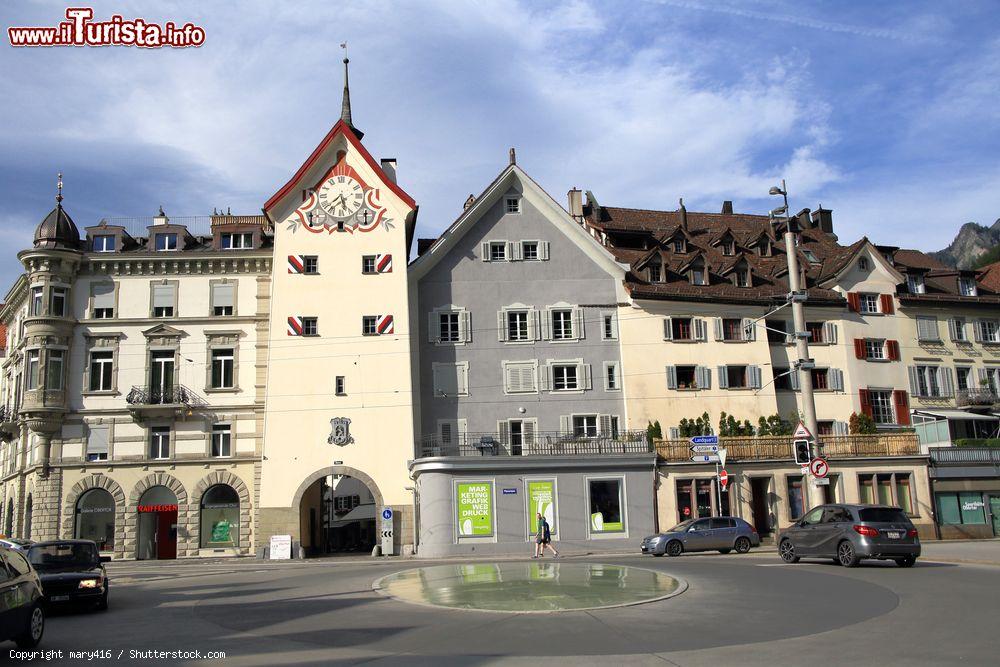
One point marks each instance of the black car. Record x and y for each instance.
(22, 617)
(72, 572)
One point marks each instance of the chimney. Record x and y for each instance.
(389, 167)
(823, 219)
(513, 156)
(727, 207)
(575, 201)
(469, 202)
(684, 215)
(160, 218)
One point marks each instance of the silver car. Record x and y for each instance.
(722, 534)
(850, 533)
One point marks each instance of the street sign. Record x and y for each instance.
(801, 433)
(704, 449)
(512, 491)
(704, 458)
(387, 531)
(705, 440)
(819, 467)
(722, 457)
(821, 481)
(723, 479)
(387, 514)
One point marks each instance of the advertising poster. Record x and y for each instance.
(541, 499)
(474, 501)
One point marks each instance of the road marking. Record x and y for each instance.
(772, 564)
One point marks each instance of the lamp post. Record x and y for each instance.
(797, 296)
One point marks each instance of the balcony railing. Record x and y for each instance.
(542, 443)
(972, 397)
(176, 395)
(780, 447)
(965, 455)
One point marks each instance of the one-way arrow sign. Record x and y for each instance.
(704, 449)
(705, 440)
(704, 458)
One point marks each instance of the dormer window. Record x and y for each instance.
(967, 287)
(915, 283)
(698, 275)
(234, 241)
(728, 247)
(863, 264)
(103, 243)
(679, 245)
(655, 272)
(742, 276)
(764, 248)
(810, 256)
(165, 242)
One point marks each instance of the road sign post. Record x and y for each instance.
(387, 531)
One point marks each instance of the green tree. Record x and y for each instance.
(861, 424)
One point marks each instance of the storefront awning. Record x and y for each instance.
(957, 415)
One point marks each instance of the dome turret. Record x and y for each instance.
(57, 230)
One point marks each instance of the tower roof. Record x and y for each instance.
(57, 230)
(345, 107)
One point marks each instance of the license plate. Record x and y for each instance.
(60, 598)
(893, 535)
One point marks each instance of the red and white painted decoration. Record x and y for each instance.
(294, 326)
(341, 202)
(384, 325)
(296, 263)
(383, 263)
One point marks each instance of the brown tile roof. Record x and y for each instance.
(991, 276)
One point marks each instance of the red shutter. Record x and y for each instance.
(859, 348)
(902, 401)
(866, 404)
(892, 347)
(853, 302)
(888, 306)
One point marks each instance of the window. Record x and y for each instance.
(585, 426)
(164, 298)
(103, 300)
(310, 264)
(863, 264)
(610, 328)
(961, 508)
(451, 379)
(962, 378)
(95, 518)
(520, 432)
(821, 379)
(681, 328)
(529, 250)
(764, 249)
(104, 243)
(988, 331)
(368, 264)
(915, 283)
(36, 300)
(687, 377)
(449, 323)
(606, 505)
(777, 331)
(742, 277)
(166, 242)
(926, 381)
(222, 368)
(869, 302)
(222, 441)
(220, 517)
(796, 498)
(97, 443)
(344, 504)
(340, 385)
(698, 276)
(565, 377)
(310, 326)
(815, 330)
(369, 325)
(611, 382)
(882, 411)
(875, 349)
(512, 204)
(498, 251)
(54, 370)
(223, 299)
(927, 328)
(57, 302)
(655, 275)
(736, 377)
(32, 369)
(728, 247)
(517, 325)
(810, 256)
(967, 286)
(732, 329)
(562, 325)
(234, 241)
(956, 329)
(886, 489)
(159, 442)
(101, 371)
(520, 377)
(679, 245)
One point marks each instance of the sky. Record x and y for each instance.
(885, 112)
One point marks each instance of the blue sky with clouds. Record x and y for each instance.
(885, 112)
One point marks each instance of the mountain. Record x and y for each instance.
(969, 245)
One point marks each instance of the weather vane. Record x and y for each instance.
(59, 187)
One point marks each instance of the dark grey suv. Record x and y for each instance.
(850, 533)
(721, 533)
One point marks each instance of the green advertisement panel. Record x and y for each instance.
(541, 500)
(474, 502)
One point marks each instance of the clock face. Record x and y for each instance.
(341, 196)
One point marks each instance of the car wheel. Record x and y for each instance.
(36, 628)
(724, 551)
(674, 549)
(906, 561)
(787, 552)
(102, 605)
(742, 545)
(846, 555)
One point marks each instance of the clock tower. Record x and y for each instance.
(339, 388)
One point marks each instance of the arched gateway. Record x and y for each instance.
(338, 507)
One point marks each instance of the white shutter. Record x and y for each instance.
(723, 378)
(163, 296)
(528, 429)
(583, 370)
(718, 328)
(433, 327)
(754, 379)
(547, 325)
(840, 428)
(978, 330)
(485, 249)
(464, 328)
(749, 329)
(794, 375)
(914, 381)
(545, 378)
(984, 378)
(565, 424)
(104, 295)
(578, 323)
(513, 251)
(462, 379)
(674, 432)
(503, 431)
(614, 325)
(953, 325)
(668, 331)
(671, 377)
(836, 379)
(705, 381)
(502, 326)
(97, 440)
(223, 294)
(946, 381)
(533, 324)
(829, 333)
(700, 332)
(543, 250)
(604, 424)
(927, 328)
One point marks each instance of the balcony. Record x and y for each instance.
(983, 396)
(776, 448)
(8, 423)
(965, 456)
(155, 403)
(542, 443)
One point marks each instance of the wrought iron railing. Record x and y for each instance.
(541, 443)
(981, 396)
(780, 447)
(177, 395)
(965, 455)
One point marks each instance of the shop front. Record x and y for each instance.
(95, 519)
(157, 534)
(966, 486)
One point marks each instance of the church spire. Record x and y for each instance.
(345, 108)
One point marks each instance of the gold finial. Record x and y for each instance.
(59, 196)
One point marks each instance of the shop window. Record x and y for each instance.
(220, 517)
(961, 508)
(796, 498)
(892, 489)
(606, 505)
(95, 518)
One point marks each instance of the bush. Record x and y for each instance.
(691, 427)
(977, 442)
(861, 424)
(653, 432)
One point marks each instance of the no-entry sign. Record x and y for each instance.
(819, 467)
(723, 479)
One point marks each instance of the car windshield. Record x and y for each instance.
(882, 515)
(56, 556)
(681, 527)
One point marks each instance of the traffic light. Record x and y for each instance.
(801, 451)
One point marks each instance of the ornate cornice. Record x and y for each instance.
(149, 264)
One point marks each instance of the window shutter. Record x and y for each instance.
(888, 305)
(604, 423)
(794, 377)
(565, 424)
(902, 402)
(700, 332)
(502, 326)
(97, 440)
(829, 333)
(749, 329)
(927, 328)
(515, 250)
(718, 328)
(668, 332)
(859, 348)
(462, 379)
(754, 373)
(836, 379)
(977, 328)
(104, 295)
(485, 251)
(614, 325)
(914, 375)
(953, 328)
(578, 323)
(946, 381)
(672, 377)
(545, 378)
(892, 348)
(675, 433)
(543, 250)
(464, 326)
(703, 376)
(583, 370)
(503, 431)
(866, 403)
(223, 295)
(433, 327)
(534, 327)
(547, 325)
(163, 296)
(840, 428)
(853, 302)
(511, 378)
(723, 378)
(447, 432)
(528, 429)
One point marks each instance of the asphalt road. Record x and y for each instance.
(737, 610)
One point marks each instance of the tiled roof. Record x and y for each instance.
(990, 277)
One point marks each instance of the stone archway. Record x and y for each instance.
(183, 512)
(337, 470)
(96, 482)
(246, 511)
(322, 529)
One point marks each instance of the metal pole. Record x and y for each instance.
(801, 347)
(718, 489)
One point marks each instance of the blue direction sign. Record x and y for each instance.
(387, 514)
(705, 440)
(704, 458)
(704, 449)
